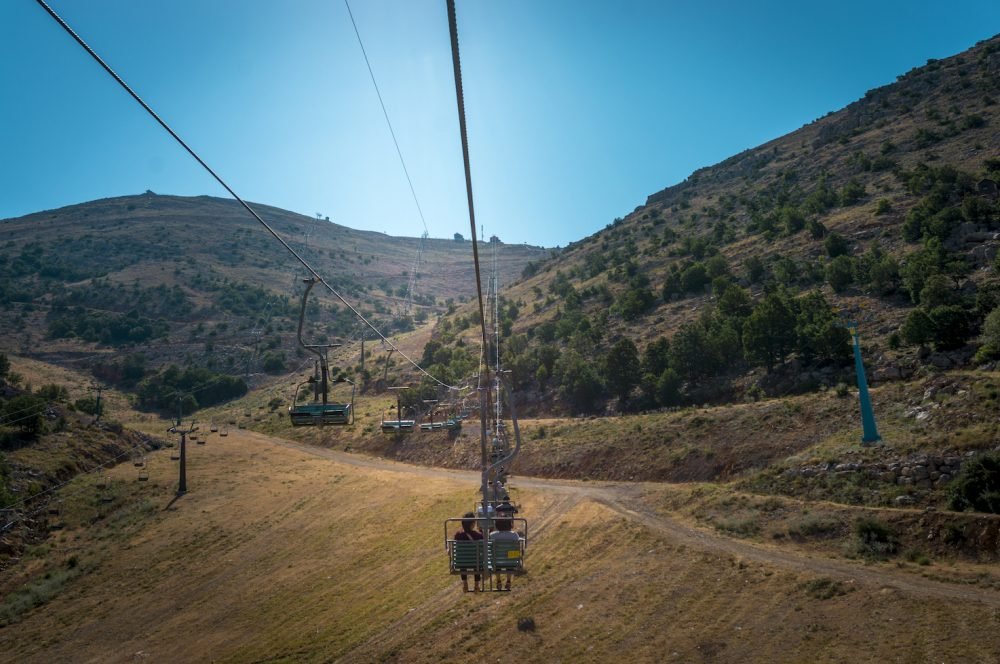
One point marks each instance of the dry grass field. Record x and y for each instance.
(284, 552)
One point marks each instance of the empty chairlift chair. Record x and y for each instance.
(397, 424)
(322, 410)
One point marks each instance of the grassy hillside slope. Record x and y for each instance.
(886, 211)
(278, 554)
(197, 282)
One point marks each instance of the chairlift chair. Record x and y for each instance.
(399, 424)
(105, 486)
(55, 512)
(320, 411)
(484, 557)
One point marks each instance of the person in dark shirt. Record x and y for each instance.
(466, 534)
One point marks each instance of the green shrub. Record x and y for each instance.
(977, 487)
(813, 525)
(52, 392)
(972, 122)
(836, 245)
(851, 193)
(34, 594)
(917, 328)
(952, 326)
(27, 412)
(273, 362)
(991, 337)
(824, 588)
(744, 527)
(840, 273)
(874, 538)
(86, 405)
(816, 228)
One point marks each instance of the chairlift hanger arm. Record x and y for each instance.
(309, 282)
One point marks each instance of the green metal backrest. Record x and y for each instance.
(507, 555)
(468, 555)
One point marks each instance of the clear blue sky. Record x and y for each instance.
(577, 109)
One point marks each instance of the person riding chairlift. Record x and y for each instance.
(503, 533)
(468, 533)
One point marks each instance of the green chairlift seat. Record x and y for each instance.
(507, 556)
(314, 414)
(397, 426)
(467, 556)
(483, 556)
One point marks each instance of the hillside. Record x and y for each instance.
(691, 469)
(734, 283)
(126, 286)
(289, 553)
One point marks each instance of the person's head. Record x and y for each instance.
(468, 522)
(504, 524)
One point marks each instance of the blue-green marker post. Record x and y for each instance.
(869, 430)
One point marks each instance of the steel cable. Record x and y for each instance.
(232, 193)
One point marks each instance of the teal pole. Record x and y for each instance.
(869, 430)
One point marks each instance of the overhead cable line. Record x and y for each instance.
(232, 193)
(412, 282)
(386, 115)
(459, 97)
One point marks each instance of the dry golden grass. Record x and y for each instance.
(284, 553)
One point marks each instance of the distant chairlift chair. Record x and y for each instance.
(319, 412)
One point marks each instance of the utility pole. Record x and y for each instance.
(97, 407)
(870, 433)
(182, 476)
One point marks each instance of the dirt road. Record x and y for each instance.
(630, 500)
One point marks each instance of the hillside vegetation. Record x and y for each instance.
(736, 283)
(690, 469)
(154, 293)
